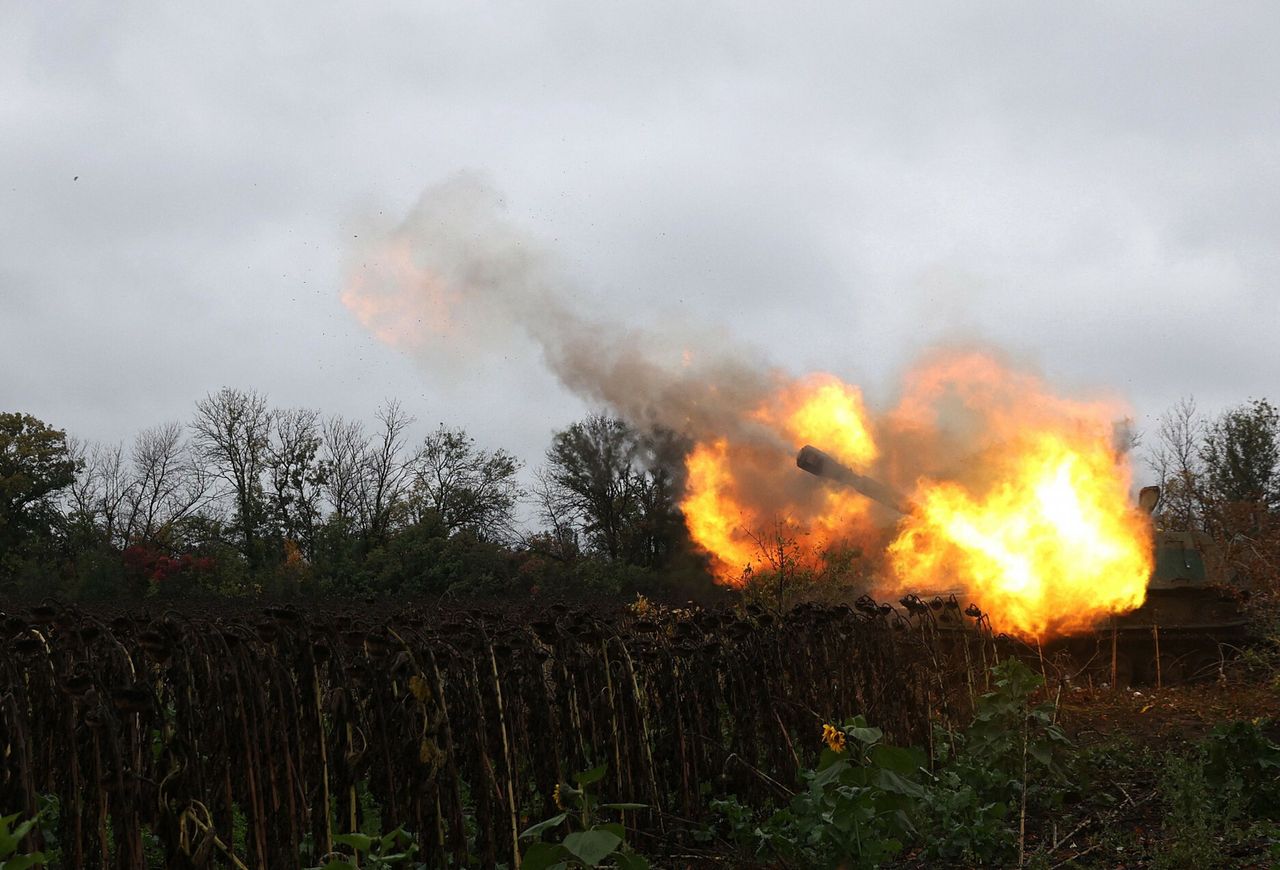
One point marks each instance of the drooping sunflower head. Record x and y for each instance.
(833, 737)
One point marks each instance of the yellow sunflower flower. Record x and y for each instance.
(833, 737)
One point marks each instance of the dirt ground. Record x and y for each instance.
(1168, 715)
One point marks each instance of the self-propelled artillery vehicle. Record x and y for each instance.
(1190, 623)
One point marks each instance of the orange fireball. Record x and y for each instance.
(717, 521)
(1051, 547)
(740, 492)
(1021, 497)
(822, 409)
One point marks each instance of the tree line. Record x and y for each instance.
(248, 498)
(1221, 475)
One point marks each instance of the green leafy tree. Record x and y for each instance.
(35, 466)
(593, 467)
(1241, 454)
(424, 558)
(615, 488)
(468, 488)
(297, 476)
(657, 532)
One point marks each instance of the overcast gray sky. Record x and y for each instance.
(1092, 187)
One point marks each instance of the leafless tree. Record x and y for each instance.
(559, 517)
(133, 498)
(103, 489)
(169, 483)
(343, 455)
(777, 548)
(1175, 458)
(385, 473)
(231, 433)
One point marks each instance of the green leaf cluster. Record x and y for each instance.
(596, 844)
(1012, 746)
(12, 833)
(389, 850)
(1241, 762)
(857, 808)
(863, 805)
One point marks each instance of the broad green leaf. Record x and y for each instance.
(22, 862)
(892, 782)
(592, 847)
(542, 856)
(843, 815)
(359, 842)
(897, 759)
(904, 821)
(611, 827)
(595, 774)
(548, 824)
(830, 774)
(830, 757)
(865, 736)
(625, 806)
(399, 835)
(24, 828)
(629, 861)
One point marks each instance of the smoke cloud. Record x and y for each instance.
(457, 278)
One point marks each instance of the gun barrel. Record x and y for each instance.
(821, 464)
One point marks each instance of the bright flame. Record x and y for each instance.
(716, 520)
(1021, 496)
(1051, 547)
(739, 496)
(823, 409)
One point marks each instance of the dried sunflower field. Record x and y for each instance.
(236, 735)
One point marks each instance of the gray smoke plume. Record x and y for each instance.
(457, 278)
